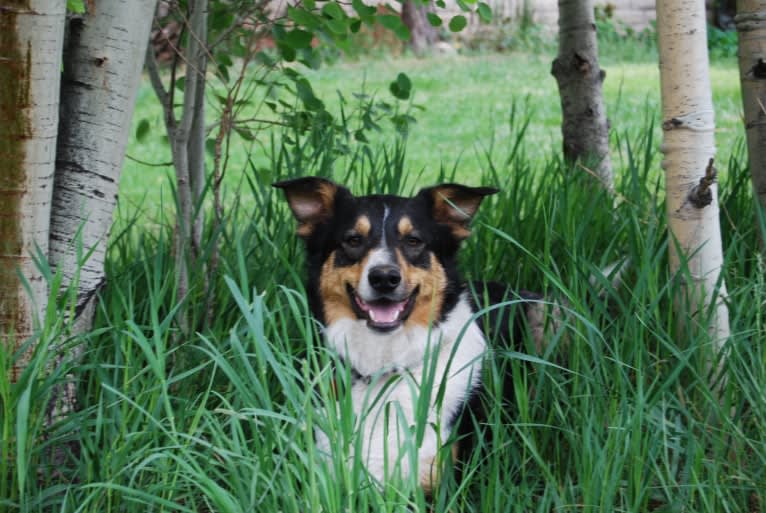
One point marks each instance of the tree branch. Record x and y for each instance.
(701, 195)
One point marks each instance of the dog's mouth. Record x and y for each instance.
(383, 314)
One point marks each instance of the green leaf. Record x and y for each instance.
(309, 4)
(244, 133)
(288, 53)
(485, 12)
(210, 146)
(142, 129)
(401, 87)
(463, 6)
(434, 19)
(303, 17)
(337, 27)
(362, 9)
(334, 11)
(394, 24)
(359, 136)
(224, 59)
(440, 3)
(223, 72)
(76, 6)
(180, 83)
(457, 23)
(299, 38)
(306, 94)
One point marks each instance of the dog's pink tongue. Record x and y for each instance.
(386, 313)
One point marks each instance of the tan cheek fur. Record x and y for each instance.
(332, 288)
(432, 282)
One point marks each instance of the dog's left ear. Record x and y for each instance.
(312, 200)
(455, 205)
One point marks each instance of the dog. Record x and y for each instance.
(383, 281)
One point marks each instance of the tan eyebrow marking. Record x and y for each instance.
(362, 226)
(405, 226)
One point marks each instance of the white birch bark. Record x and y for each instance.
(584, 125)
(751, 26)
(688, 145)
(103, 60)
(31, 38)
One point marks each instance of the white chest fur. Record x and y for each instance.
(412, 370)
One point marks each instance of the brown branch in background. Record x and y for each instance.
(701, 195)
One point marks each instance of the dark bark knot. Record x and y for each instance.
(759, 70)
(581, 63)
(702, 195)
(671, 124)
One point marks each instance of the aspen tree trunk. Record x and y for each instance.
(31, 38)
(751, 26)
(103, 59)
(584, 127)
(422, 34)
(688, 146)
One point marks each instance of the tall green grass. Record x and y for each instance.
(618, 415)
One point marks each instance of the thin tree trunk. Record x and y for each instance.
(103, 59)
(184, 139)
(196, 146)
(696, 254)
(584, 127)
(423, 35)
(31, 38)
(751, 26)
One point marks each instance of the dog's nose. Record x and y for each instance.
(384, 278)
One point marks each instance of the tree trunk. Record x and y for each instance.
(696, 254)
(584, 125)
(103, 59)
(751, 26)
(423, 35)
(196, 146)
(31, 38)
(186, 136)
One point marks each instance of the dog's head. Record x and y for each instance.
(385, 260)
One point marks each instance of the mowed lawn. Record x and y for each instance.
(462, 108)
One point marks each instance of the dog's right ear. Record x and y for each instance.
(312, 200)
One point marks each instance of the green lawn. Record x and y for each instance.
(466, 101)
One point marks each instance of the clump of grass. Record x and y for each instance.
(619, 416)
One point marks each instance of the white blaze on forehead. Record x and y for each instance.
(381, 255)
(383, 242)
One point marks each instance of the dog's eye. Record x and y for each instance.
(412, 241)
(353, 241)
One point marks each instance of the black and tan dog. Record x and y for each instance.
(383, 281)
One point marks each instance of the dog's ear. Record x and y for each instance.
(312, 200)
(455, 205)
